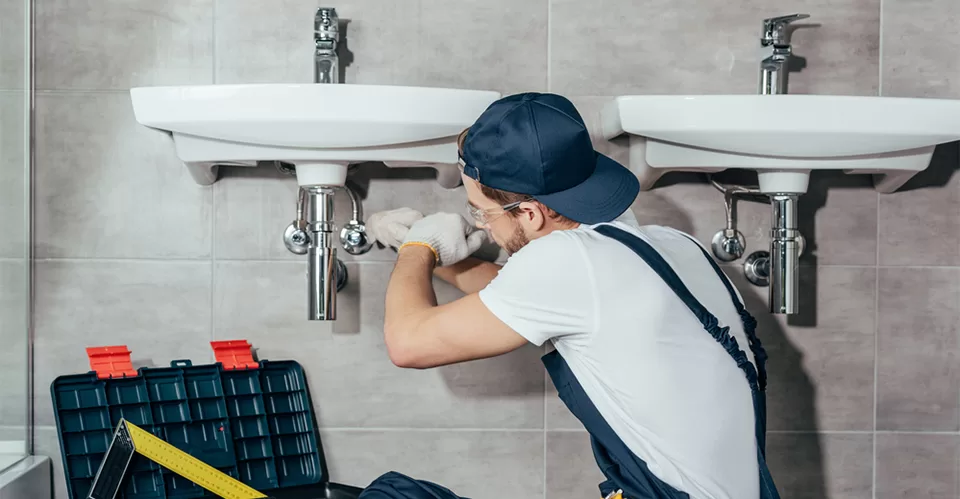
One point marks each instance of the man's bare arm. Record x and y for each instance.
(420, 334)
(470, 275)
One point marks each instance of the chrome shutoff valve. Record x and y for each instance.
(728, 245)
(354, 238)
(296, 238)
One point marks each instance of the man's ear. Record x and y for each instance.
(533, 215)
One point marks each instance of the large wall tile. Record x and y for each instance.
(918, 356)
(838, 218)
(921, 226)
(117, 44)
(624, 47)
(13, 174)
(108, 187)
(821, 466)
(14, 309)
(572, 471)
(914, 466)
(481, 464)
(14, 51)
(919, 48)
(160, 310)
(352, 381)
(482, 44)
(821, 367)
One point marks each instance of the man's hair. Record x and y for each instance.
(503, 197)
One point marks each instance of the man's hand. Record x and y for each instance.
(389, 228)
(449, 235)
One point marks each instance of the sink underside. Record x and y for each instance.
(310, 125)
(782, 137)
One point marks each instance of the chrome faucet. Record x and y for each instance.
(774, 67)
(326, 38)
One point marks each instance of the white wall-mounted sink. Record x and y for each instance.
(320, 128)
(782, 137)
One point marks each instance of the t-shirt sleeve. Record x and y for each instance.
(545, 290)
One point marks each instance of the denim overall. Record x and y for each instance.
(623, 469)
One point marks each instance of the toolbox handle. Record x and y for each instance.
(181, 363)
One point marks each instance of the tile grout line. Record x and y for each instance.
(214, 188)
(880, 58)
(123, 260)
(543, 393)
(75, 91)
(213, 262)
(213, 42)
(863, 432)
(876, 348)
(549, 40)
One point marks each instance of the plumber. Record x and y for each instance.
(654, 351)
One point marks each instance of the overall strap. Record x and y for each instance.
(749, 323)
(709, 321)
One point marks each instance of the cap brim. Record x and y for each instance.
(602, 197)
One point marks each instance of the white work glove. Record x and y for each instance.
(390, 227)
(449, 235)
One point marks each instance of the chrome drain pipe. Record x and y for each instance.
(786, 245)
(321, 255)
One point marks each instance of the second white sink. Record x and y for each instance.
(782, 137)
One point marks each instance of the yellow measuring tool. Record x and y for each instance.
(130, 438)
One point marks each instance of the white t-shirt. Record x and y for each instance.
(665, 386)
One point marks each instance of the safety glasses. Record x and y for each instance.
(484, 216)
(488, 215)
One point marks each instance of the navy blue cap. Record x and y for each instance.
(537, 144)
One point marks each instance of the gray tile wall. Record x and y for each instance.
(864, 397)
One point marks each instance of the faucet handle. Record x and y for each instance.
(774, 29)
(326, 24)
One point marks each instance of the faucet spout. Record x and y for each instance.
(326, 38)
(773, 71)
(774, 67)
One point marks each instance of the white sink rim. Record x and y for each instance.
(693, 119)
(891, 137)
(308, 123)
